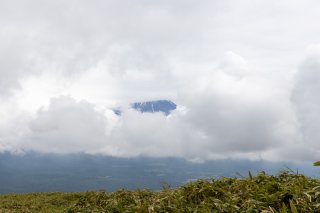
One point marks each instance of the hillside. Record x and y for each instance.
(285, 192)
(36, 172)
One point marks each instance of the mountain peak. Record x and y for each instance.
(165, 106)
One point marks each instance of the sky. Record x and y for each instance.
(244, 74)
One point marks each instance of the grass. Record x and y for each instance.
(285, 192)
(39, 202)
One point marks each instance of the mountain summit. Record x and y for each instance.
(164, 106)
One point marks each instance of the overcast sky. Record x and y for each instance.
(245, 75)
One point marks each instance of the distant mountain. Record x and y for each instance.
(164, 106)
(35, 172)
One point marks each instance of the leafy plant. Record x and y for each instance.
(283, 193)
(316, 163)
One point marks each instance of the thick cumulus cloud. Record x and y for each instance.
(305, 97)
(221, 114)
(67, 38)
(245, 120)
(144, 40)
(239, 116)
(228, 64)
(66, 126)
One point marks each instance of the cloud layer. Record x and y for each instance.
(244, 75)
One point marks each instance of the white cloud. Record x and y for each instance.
(245, 121)
(306, 99)
(66, 126)
(229, 64)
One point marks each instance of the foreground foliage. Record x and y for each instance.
(286, 192)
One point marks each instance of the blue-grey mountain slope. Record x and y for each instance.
(164, 106)
(35, 172)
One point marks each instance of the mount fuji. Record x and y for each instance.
(164, 106)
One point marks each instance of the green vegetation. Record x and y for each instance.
(285, 192)
(316, 163)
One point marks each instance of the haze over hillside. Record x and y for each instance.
(36, 172)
